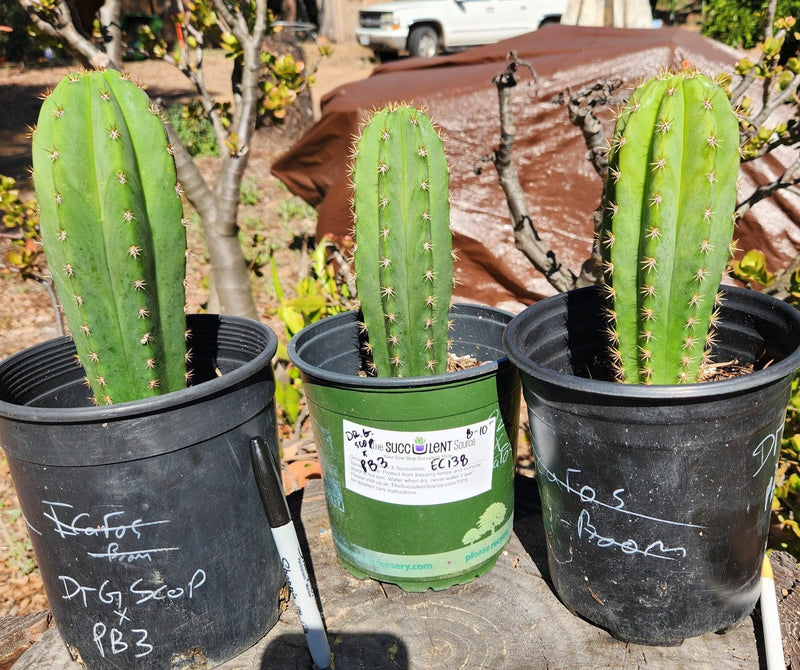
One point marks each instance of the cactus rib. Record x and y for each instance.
(403, 256)
(112, 230)
(668, 224)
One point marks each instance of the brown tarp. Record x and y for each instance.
(561, 187)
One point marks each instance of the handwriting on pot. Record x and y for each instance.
(115, 639)
(765, 455)
(115, 536)
(587, 530)
(656, 549)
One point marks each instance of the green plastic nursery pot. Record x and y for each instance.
(145, 516)
(656, 499)
(418, 472)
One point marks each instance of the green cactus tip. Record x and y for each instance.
(113, 232)
(668, 225)
(403, 253)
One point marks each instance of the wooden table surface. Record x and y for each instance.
(508, 619)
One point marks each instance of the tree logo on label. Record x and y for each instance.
(489, 521)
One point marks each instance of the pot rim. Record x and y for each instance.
(698, 391)
(464, 310)
(145, 406)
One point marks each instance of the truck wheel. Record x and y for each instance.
(550, 21)
(423, 42)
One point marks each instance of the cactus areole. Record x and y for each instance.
(668, 225)
(112, 228)
(403, 254)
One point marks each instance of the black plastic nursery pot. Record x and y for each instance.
(656, 499)
(418, 471)
(145, 517)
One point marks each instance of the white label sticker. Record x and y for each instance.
(419, 468)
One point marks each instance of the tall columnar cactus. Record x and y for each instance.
(403, 257)
(668, 224)
(112, 230)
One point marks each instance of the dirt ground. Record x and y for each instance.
(26, 315)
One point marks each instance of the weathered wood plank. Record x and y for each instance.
(506, 620)
(18, 633)
(787, 588)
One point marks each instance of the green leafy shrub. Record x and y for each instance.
(20, 220)
(194, 128)
(321, 292)
(740, 23)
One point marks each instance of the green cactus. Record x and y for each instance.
(112, 228)
(668, 225)
(403, 256)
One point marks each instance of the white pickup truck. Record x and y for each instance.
(423, 27)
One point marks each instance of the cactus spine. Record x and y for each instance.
(668, 224)
(112, 230)
(403, 256)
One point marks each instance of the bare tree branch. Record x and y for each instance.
(60, 25)
(756, 137)
(47, 282)
(742, 87)
(192, 182)
(111, 29)
(783, 280)
(218, 203)
(771, 8)
(790, 138)
(526, 237)
(220, 225)
(581, 107)
(773, 103)
(787, 180)
(191, 64)
(235, 23)
(775, 94)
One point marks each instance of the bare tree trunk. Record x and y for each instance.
(230, 290)
(289, 10)
(111, 29)
(771, 8)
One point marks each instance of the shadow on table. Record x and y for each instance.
(351, 651)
